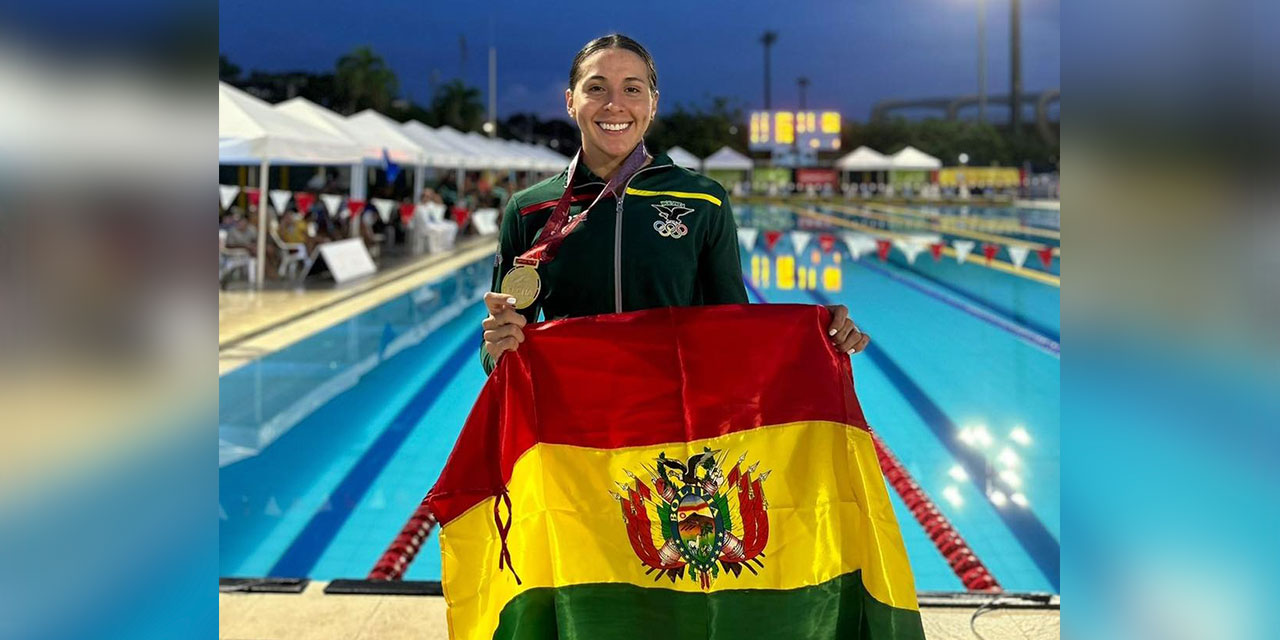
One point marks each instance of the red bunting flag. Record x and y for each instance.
(406, 211)
(936, 250)
(304, 200)
(460, 215)
(355, 207)
(882, 249)
(827, 242)
(771, 238)
(252, 193)
(989, 250)
(1046, 256)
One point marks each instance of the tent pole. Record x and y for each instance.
(264, 201)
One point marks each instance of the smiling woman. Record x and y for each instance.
(619, 230)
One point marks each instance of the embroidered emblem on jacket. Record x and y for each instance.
(670, 225)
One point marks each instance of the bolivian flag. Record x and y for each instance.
(673, 473)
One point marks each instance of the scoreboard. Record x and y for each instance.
(799, 130)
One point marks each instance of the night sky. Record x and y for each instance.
(854, 52)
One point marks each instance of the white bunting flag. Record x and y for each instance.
(963, 249)
(384, 208)
(280, 199)
(858, 244)
(1018, 255)
(748, 237)
(799, 240)
(227, 195)
(910, 247)
(332, 202)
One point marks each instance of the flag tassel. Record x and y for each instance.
(504, 556)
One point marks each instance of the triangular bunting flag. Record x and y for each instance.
(1046, 256)
(882, 249)
(963, 249)
(1018, 255)
(253, 194)
(384, 208)
(355, 207)
(406, 211)
(280, 199)
(747, 237)
(227, 195)
(799, 240)
(332, 202)
(827, 242)
(304, 200)
(936, 250)
(858, 244)
(989, 251)
(771, 238)
(910, 247)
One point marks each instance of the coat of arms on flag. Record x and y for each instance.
(704, 520)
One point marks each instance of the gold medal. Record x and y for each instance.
(523, 284)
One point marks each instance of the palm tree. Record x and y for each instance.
(459, 106)
(365, 81)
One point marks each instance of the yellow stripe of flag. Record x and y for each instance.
(828, 510)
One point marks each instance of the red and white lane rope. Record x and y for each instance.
(401, 552)
(964, 562)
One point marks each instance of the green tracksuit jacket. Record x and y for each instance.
(670, 241)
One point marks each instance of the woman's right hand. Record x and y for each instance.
(502, 329)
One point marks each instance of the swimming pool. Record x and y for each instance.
(328, 445)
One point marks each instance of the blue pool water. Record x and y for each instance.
(329, 445)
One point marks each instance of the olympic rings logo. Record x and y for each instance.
(670, 229)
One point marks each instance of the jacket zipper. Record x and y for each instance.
(617, 240)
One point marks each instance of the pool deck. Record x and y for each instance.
(315, 615)
(253, 323)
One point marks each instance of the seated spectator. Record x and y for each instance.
(241, 235)
(293, 230)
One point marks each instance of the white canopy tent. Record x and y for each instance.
(250, 131)
(440, 153)
(373, 134)
(727, 159)
(507, 158)
(684, 159)
(911, 158)
(864, 159)
(484, 158)
(555, 161)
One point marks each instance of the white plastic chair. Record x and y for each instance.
(485, 221)
(292, 254)
(230, 259)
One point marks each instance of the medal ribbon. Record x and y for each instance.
(555, 231)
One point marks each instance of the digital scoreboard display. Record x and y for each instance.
(798, 130)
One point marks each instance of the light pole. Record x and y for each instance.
(767, 40)
(1015, 63)
(982, 61)
(804, 85)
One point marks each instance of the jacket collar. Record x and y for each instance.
(586, 176)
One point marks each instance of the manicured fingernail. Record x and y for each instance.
(850, 352)
(831, 332)
(511, 301)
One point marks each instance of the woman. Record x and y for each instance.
(618, 230)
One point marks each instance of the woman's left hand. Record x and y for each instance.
(844, 333)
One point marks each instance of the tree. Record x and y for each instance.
(364, 81)
(228, 71)
(701, 131)
(458, 106)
